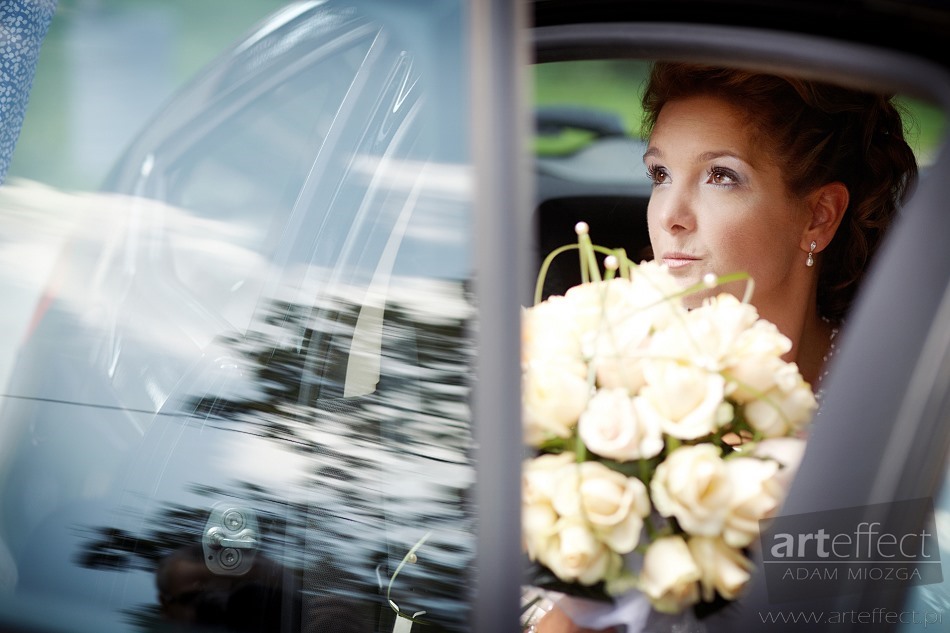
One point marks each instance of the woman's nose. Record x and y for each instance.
(674, 209)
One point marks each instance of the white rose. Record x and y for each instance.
(549, 332)
(782, 411)
(693, 485)
(670, 576)
(624, 371)
(575, 554)
(608, 319)
(751, 377)
(539, 483)
(554, 396)
(656, 291)
(538, 527)
(762, 339)
(683, 400)
(611, 428)
(599, 304)
(755, 363)
(540, 475)
(708, 336)
(612, 330)
(756, 495)
(788, 452)
(723, 569)
(715, 328)
(613, 504)
(619, 354)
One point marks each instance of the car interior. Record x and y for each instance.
(600, 182)
(588, 160)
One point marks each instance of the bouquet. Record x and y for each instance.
(653, 429)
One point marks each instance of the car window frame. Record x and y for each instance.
(865, 392)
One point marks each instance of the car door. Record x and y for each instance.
(264, 418)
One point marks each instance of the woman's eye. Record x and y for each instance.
(722, 176)
(658, 175)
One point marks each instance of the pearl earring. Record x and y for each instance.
(810, 261)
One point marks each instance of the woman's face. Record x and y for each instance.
(720, 203)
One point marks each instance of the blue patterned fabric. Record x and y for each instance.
(23, 25)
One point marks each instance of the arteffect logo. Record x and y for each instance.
(851, 550)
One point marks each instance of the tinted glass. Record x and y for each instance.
(241, 401)
(237, 173)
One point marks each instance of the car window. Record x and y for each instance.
(243, 197)
(243, 399)
(588, 159)
(588, 126)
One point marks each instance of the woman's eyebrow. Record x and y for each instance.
(723, 153)
(705, 156)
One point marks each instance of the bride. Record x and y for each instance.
(791, 181)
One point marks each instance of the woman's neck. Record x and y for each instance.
(811, 338)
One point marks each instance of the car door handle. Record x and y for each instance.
(244, 539)
(230, 540)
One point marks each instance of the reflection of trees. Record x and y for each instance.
(382, 469)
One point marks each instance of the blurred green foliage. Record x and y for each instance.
(924, 127)
(612, 85)
(616, 85)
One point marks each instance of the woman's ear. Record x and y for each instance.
(827, 205)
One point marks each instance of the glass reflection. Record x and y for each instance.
(268, 312)
(121, 436)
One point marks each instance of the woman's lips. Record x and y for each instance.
(678, 260)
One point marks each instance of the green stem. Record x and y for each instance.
(580, 450)
(588, 263)
(651, 530)
(700, 286)
(672, 443)
(645, 470)
(539, 285)
(621, 256)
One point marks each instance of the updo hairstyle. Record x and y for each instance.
(820, 133)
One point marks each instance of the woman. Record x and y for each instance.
(790, 181)
(793, 182)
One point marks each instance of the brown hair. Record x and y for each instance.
(827, 133)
